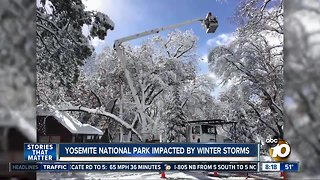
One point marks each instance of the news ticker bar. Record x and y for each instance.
(217, 166)
(163, 152)
(77, 166)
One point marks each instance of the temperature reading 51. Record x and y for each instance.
(288, 166)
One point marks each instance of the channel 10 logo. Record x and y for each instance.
(279, 149)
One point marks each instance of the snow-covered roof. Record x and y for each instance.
(69, 122)
(14, 119)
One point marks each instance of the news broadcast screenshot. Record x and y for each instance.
(179, 89)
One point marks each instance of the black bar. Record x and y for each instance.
(136, 166)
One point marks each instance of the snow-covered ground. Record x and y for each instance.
(140, 175)
(113, 175)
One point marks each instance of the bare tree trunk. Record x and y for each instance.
(129, 136)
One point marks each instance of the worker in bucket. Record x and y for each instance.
(209, 19)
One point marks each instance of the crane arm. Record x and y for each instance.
(118, 42)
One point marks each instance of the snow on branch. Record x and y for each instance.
(102, 113)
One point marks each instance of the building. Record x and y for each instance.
(56, 126)
(15, 130)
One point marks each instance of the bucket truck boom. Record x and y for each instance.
(211, 29)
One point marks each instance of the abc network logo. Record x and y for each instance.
(279, 149)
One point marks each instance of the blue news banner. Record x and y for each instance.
(101, 157)
(40, 152)
(142, 152)
(158, 150)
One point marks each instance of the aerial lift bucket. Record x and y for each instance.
(212, 28)
(213, 25)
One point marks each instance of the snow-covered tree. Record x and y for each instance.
(176, 120)
(141, 97)
(17, 80)
(303, 85)
(61, 45)
(254, 63)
